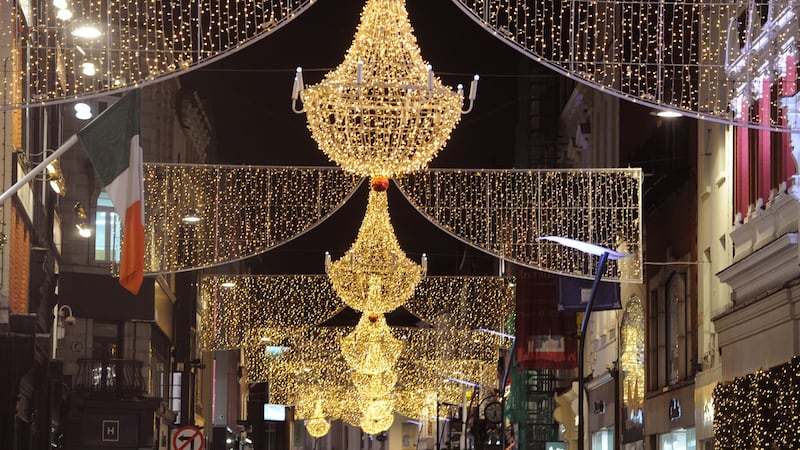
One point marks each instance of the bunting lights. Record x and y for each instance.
(381, 112)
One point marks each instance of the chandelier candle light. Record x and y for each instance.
(381, 111)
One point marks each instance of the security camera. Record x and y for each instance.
(69, 320)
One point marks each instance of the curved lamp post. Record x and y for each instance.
(605, 254)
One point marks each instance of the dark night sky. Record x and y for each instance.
(249, 97)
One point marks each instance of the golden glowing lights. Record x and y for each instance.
(501, 212)
(317, 425)
(371, 348)
(632, 355)
(504, 211)
(382, 111)
(273, 320)
(375, 275)
(243, 210)
(133, 42)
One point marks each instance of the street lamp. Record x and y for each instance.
(61, 315)
(605, 254)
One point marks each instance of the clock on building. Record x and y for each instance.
(493, 412)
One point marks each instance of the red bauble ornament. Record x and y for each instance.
(380, 183)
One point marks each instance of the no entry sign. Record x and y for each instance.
(188, 438)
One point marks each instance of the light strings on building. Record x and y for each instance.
(382, 111)
(759, 410)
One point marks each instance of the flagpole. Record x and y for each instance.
(36, 170)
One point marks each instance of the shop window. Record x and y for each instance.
(671, 334)
(603, 439)
(678, 440)
(107, 231)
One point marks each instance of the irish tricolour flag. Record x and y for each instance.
(112, 143)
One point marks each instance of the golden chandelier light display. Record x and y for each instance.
(382, 111)
(375, 276)
(371, 349)
(318, 425)
(312, 365)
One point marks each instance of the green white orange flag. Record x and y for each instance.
(112, 143)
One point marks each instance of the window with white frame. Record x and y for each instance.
(107, 231)
(671, 337)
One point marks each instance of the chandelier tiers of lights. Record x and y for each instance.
(318, 426)
(375, 275)
(381, 111)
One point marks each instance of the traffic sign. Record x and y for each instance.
(188, 438)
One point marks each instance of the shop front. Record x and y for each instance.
(601, 413)
(670, 421)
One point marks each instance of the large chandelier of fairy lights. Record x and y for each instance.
(375, 275)
(371, 349)
(382, 111)
(318, 425)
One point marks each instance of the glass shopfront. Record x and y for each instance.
(682, 439)
(603, 439)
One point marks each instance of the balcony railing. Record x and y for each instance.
(117, 377)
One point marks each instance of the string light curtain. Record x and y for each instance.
(242, 210)
(503, 212)
(248, 210)
(690, 56)
(272, 319)
(135, 42)
(276, 302)
(382, 111)
(759, 410)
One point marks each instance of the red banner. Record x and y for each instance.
(545, 336)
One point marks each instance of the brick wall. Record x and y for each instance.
(19, 257)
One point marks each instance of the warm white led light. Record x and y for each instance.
(83, 111)
(64, 14)
(88, 68)
(86, 32)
